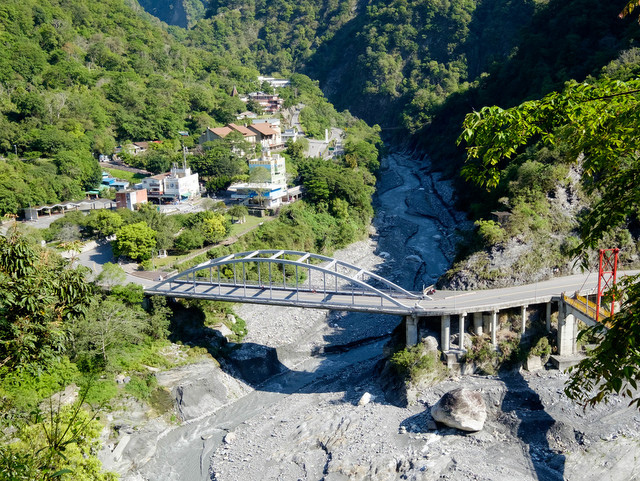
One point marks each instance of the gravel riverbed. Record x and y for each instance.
(310, 421)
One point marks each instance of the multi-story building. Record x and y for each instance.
(272, 193)
(270, 103)
(131, 199)
(275, 165)
(177, 185)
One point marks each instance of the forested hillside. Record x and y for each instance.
(389, 62)
(78, 78)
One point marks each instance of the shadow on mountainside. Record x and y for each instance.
(533, 426)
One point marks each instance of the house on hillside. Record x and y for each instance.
(175, 186)
(247, 114)
(270, 103)
(266, 136)
(135, 148)
(289, 135)
(274, 82)
(216, 133)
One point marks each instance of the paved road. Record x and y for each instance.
(443, 302)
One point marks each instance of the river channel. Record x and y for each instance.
(413, 247)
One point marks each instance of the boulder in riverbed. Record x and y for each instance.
(462, 409)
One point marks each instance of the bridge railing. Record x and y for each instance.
(291, 270)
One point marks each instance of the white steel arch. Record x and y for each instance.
(348, 280)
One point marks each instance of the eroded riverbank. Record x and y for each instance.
(305, 422)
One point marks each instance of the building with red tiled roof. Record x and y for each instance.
(267, 136)
(221, 132)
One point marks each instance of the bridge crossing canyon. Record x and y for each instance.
(303, 279)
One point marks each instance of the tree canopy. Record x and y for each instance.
(598, 121)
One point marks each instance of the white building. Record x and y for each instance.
(178, 185)
(181, 183)
(289, 135)
(267, 194)
(274, 82)
(275, 165)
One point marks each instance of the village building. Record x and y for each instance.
(270, 103)
(272, 193)
(216, 133)
(289, 135)
(274, 82)
(131, 199)
(266, 136)
(175, 186)
(247, 114)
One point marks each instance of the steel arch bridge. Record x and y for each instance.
(289, 278)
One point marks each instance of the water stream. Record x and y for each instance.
(414, 229)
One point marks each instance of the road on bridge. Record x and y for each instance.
(443, 302)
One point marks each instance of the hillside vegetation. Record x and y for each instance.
(78, 78)
(400, 58)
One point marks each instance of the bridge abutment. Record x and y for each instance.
(567, 327)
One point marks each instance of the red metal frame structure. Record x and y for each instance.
(607, 271)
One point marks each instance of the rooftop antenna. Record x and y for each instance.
(184, 156)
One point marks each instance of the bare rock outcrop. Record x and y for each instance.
(462, 409)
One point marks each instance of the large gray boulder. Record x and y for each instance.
(462, 409)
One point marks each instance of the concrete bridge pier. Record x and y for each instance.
(461, 325)
(477, 323)
(486, 322)
(411, 330)
(445, 333)
(567, 327)
(494, 329)
(548, 317)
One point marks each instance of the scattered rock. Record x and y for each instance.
(63, 398)
(365, 399)
(462, 409)
(230, 438)
(533, 363)
(231, 318)
(430, 344)
(224, 330)
(413, 258)
(117, 453)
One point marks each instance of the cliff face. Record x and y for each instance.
(182, 13)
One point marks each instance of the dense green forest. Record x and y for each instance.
(77, 79)
(401, 58)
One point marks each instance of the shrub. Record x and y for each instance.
(490, 231)
(482, 353)
(413, 363)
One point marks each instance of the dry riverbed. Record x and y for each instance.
(298, 412)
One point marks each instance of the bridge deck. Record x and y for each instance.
(443, 302)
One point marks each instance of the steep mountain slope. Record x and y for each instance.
(77, 78)
(182, 13)
(388, 62)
